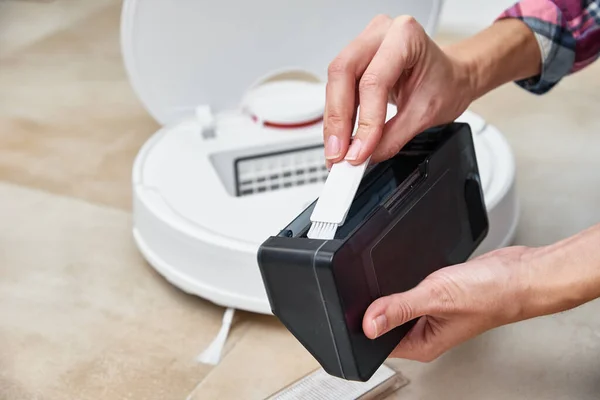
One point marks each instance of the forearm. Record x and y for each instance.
(506, 51)
(535, 43)
(563, 275)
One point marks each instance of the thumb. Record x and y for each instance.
(389, 312)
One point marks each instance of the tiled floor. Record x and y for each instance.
(84, 317)
(68, 117)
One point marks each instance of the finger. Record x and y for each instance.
(424, 342)
(388, 312)
(416, 344)
(395, 94)
(431, 337)
(340, 98)
(329, 163)
(401, 47)
(398, 131)
(355, 110)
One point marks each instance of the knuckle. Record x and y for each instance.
(433, 104)
(401, 312)
(407, 22)
(333, 123)
(390, 152)
(425, 116)
(439, 290)
(369, 81)
(338, 66)
(396, 145)
(334, 119)
(414, 34)
(366, 126)
(380, 20)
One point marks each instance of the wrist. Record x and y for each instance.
(504, 52)
(560, 276)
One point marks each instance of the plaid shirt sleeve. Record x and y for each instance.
(568, 33)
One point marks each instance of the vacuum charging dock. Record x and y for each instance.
(418, 212)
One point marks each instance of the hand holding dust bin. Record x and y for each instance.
(413, 214)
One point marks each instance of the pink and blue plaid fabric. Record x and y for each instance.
(568, 33)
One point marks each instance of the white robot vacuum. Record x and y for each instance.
(239, 89)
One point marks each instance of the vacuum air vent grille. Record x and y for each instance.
(275, 171)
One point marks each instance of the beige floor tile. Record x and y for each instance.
(263, 361)
(83, 316)
(69, 121)
(23, 22)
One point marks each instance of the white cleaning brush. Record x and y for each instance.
(336, 198)
(212, 355)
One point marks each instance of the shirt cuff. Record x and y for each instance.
(555, 41)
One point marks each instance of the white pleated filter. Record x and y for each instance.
(319, 385)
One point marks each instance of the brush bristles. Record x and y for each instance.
(322, 230)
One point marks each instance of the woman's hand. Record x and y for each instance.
(395, 61)
(455, 304)
(512, 284)
(391, 60)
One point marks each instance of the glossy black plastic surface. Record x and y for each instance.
(418, 212)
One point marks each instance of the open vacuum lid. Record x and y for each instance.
(180, 54)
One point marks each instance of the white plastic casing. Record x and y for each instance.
(180, 54)
(197, 68)
(205, 241)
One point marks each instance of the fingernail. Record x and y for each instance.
(380, 324)
(333, 147)
(354, 150)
